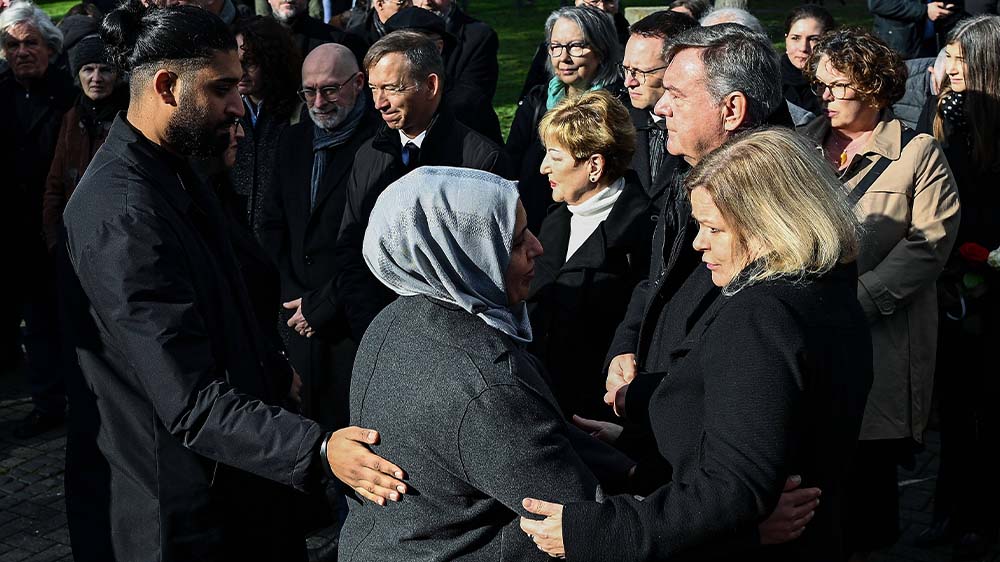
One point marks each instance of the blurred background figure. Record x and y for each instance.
(694, 8)
(902, 189)
(803, 27)
(309, 32)
(370, 25)
(734, 15)
(965, 118)
(597, 240)
(583, 55)
(915, 28)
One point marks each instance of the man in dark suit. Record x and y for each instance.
(301, 220)
(309, 32)
(404, 75)
(474, 58)
(643, 67)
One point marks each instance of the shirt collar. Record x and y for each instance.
(418, 140)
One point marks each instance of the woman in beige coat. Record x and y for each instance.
(904, 193)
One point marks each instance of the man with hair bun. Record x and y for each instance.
(190, 392)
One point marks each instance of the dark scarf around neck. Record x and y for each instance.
(98, 115)
(323, 140)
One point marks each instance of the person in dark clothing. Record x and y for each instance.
(84, 128)
(404, 75)
(914, 28)
(271, 76)
(371, 27)
(803, 27)
(964, 118)
(597, 246)
(309, 32)
(34, 96)
(770, 377)
(477, 423)
(188, 388)
(583, 55)
(474, 59)
(464, 97)
(643, 68)
(539, 72)
(301, 220)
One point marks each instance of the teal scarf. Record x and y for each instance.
(557, 91)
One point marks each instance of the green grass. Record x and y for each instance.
(520, 31)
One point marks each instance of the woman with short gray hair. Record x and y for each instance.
(583, 56)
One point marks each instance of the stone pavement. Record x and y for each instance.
(33, 510)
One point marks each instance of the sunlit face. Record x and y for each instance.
(694, 119)
(208, 103)
(286, 11)
(388, 8)
(404, 103)
(569, 179)
(327, 114)
(439, 7)
(955, 67)
(715, 240)
(800, 39)
(26, 51)
(575, 72)
(97, 81)
(521, 269)
(643, 54)
(252, 79)
(850, 114)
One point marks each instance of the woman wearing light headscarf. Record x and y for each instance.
(443, 374)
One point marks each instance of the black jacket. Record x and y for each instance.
(768, 382)
(365, 29)
(309, 33)
(796, 88)
(186, 391)
(900, 23)
(576, 305)
(671, 165)
(379, 163)
(473, 61)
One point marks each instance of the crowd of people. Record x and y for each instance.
(699, 303)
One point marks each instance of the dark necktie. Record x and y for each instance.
(411, 156)
(657, 146)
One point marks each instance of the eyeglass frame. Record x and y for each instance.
(394, 90)
(328, 98)
(819, 88)
(636, 73)
(398, 3)
(568, 47)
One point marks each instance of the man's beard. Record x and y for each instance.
(287, 18)
(331, 119)
(188, 132)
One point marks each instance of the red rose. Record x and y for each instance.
(974, 253)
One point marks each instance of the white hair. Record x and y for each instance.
(24, 11)
(733, 15)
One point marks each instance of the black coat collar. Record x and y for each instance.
(437, 149)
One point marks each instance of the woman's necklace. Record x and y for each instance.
(840, 149)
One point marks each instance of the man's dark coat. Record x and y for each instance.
(671, 165)
(474, 59)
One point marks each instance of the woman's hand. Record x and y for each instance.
(546, 533)
(605, 431)
(354, 464)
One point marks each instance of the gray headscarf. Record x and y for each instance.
(446, 233)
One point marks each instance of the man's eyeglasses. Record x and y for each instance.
(393, 90)
(397, 3)
(330, 93)
(838, 91)
(576, 49)
(639, 75)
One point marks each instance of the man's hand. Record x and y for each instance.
(547, 533)
(298, 322)
(621, 371)
(295, 392)
(354, 464)
(795, 508)
(605, 431)
(938, 10)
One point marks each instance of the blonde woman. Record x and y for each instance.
(768, 379)
(598, 239)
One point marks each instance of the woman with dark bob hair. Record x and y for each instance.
(768, 376)
(272, 69)
(803, 27)
(583, 55)
(598, 240)
(903, 191)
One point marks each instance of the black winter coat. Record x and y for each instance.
(473, 61)
(576, 305)
(900, 23)
(768, 382)
(309, 33)
(378, 163)
(186, 388)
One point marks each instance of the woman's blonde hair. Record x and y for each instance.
(777, 193)
(592, 123)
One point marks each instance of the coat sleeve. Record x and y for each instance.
(901, 10)
(54, 198)
(751, 367)
(522, 132)
(135, 272)
(916, 260)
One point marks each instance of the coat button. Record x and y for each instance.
(309, 260)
